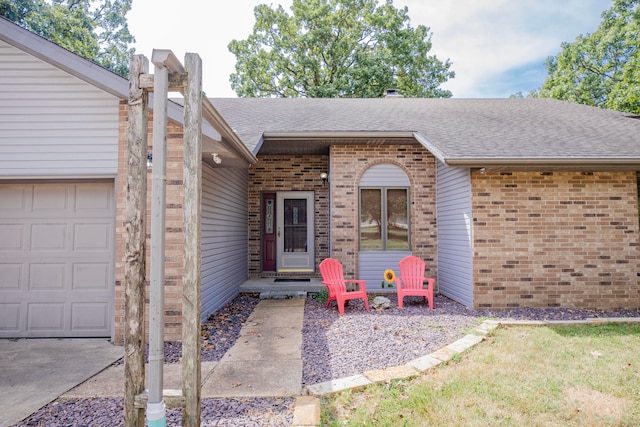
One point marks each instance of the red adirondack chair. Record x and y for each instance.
(333, 279)
(411, 280)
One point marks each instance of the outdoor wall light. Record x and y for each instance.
(149, 160)
(324, 177)
(216, 158)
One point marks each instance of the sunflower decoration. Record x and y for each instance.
(389, 278)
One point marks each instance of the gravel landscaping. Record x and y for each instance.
(333, 346)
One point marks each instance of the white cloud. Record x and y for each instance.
(486, 38)
(483, 38)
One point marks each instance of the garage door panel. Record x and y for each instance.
(56, 259)
(48, 237)
(50, 197)
(45, 317)
(14, 200)
(92, 237)
(10, 277)
(91, 276)
(89, 316)
(12, 237)
(10, 315)
(93, 200)
(47, 276)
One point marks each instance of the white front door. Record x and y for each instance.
(295, 231)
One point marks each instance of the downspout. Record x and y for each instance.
(156, 412)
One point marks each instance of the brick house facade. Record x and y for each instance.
(348, 164)
(556, 239)
(336, 216)
(173, 236)
(287, 173)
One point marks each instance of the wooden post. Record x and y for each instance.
(192, 241)
(135, 243)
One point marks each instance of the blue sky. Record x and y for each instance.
(498, 47)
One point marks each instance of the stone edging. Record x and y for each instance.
(307, 407)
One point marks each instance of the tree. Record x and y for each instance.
(600, 69)
(336, 48)
(95, 30)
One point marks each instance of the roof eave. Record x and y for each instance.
(64, 59)
(214, 118)
(541, 163)
(336, 134)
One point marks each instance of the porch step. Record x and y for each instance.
(282, 294)
(269, 285)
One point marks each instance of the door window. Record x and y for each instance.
(295, 225)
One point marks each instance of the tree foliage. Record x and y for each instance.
(600, 69)
(96, 30)
(336, 48)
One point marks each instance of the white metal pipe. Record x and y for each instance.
(158, 205)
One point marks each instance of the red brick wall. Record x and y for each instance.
(561, 239)
(173, 237)
(348, 164)
(287, 173)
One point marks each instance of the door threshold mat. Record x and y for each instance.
(291, 279)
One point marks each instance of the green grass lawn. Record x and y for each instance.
(519, 376)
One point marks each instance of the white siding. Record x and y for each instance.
(51, 123)
(224, 235)
(455, 253)
(384, 175)
(374, 263)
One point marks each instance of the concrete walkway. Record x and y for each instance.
(266, 360)
(34, 372)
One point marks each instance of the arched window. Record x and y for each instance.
(384, 209)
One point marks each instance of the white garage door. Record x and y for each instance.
(56, 259)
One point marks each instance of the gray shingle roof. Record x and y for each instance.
(458, 129)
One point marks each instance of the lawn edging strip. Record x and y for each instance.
(410, 369)
(416, 367)
(445, 354)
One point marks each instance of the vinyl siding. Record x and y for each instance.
(224, 236)
(384, 175)
(53, 125)
(373, 264)
(455, 253)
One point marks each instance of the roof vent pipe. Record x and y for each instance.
(393, 93)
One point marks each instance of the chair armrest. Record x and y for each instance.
(361, 283)
(329, 285)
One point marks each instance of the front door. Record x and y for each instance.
(269, 232)
(295, 233)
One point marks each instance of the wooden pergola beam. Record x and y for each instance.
(189, 82)
(135, 242)
(192, 214)
(177, 82)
